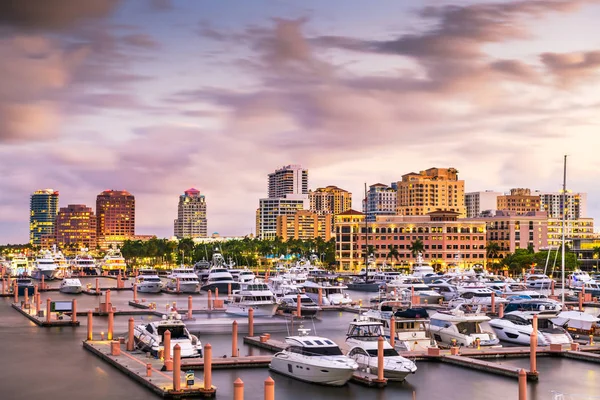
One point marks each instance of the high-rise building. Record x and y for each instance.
(552, 203)
(381, 200)
(115, 210)
(329, 200)
(290, 179)
(191, 215)
(581, 228)
(75, 227)
(43, 207)
(519, 200)
(304, 225)
(270, 209)
(481, 202)
(431, 190)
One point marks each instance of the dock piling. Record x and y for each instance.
(38, 302)
(97, 286)
(190, 308)
(320, 296)
(238, 389)
(177, 368)
(269, 389)
(148, 369)
(229, 297)
(580, 301)
(522, 385)
(209, 299)
(135, 299)
(299, 305)
(393, 331)
(251, 322)
(48, 309)
(167, 352)
(130, 339)
(380, 359)
(111, 324)
(90, 326)
(234, 339)
(73, 310)
(16, 291)
(115, 348)
(43, 283)
(500, 310)
(178, 286)
(207, 366)
(493, 305)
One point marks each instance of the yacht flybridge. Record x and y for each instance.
(113, 262)
(45, 266)
(256, 296)
(185, 278)
(313, 359)
(462, 327)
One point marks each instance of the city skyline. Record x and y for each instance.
(152, 98)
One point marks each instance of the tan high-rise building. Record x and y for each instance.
(191, 215)
(115, 210)
(329, 200)
(431, 190)
(519, 200)
(75, 227)
(304, 225)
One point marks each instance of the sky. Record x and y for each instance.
(158, 96)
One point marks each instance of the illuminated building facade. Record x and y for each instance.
(381, 200)
(291, 179)
(552, 203)
(329, 200)
(115, 210)
(43, 208)
(520, 201)
(304, 225)
(191, 219)
(75, 227)
(582, 228)
(477, 203)
(270, 209)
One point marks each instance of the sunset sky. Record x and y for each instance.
(155, 97)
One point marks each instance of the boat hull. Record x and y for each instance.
(22, 289)
(306, 312)
(149, 287)
(185, 287)
(47, 274)
(222, 286)
(311, 373)
(364, 287)
(260, 310)
(71, 289)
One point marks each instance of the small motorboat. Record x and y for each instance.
(517, 327)
(150, 337)
(461, 328)
(71, 285)
(148, 281)
(24, 285)
(289, 304)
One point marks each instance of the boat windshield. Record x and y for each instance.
(468, 328)
(221, 279)
(317, 351)
(386, 353)
(177, 332)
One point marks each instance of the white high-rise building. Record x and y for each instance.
(381, 200)
(480, 202)
(270, 209)
(191, 219)
(290, 179)
(551, 202)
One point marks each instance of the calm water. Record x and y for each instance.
(51, 363)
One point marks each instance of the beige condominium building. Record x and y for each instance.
(520, 201)
(304, 225)
(329, 200)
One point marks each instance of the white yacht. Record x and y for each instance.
(220, 277)
(578, 278)
(332, 294)
(44, 266)
(246, 276)
(288, 303)
(314, 359)
(202, 268)
(113, 262)
(402, 286)
(464, 328)
(19, 265)
(71, 285)
(537, 281)
(84, 263)
(578, 321)
(188, 280)
(362, 340)
(256, 296)
(421, 268)
(516, 327)
(148, 281)
(62, 265)
(478, 296)
(150, 337)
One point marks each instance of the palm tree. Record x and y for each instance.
(393, 253)
(417, 247)
(492, 250)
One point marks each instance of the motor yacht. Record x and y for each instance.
(187, 279)
(461, 327)
(538, 281)
(446, 289)
(85, 264)
(516, 327)
(256, 296)
(148, 281)
(405, 285)
(289, 304)
(246, 276)
(592, 287)
(578, 278)
(113, 262)
(421, 268)
(476, 297)
(71, 285)
(19, 265)
(578, 322)
(362, 340)
(313, 359)
(331, 294)
(202, 268)
(25, 284)
(150, 337)
(44, 266)
(62, 265)
(220, 278)
(526, 303)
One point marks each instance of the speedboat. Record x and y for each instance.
(538, 281)
(150, 337)
(24, 285)
(220, 278)
(362, 339)
(113, 262)
(578, 278)
(313, 359)
(289, 304)
(44, 266)
(331, 294)
(186, 278)
(461, 328)
(71, 285)
(148, 281)
(19, 265)
(516, 327)
(256, 296)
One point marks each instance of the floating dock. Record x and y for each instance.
(486, 366)
(229, 362)
(42, 321)
(148, 372)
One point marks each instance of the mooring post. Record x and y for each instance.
(251, 322)
(269, 389)
(90, 326)
(522, 385)
(238, 389)
(111, 324)
(74, 310)
(234, 339)
(380, 359)
(107, 301)
(393, 331)
(97, 285)
(148, 369)
(229, 297)
(38, 303)
(16, 291)
(135, 299)
(207, 366)
(178, 286)
(177, 368)
(48, 309)
(130, 339)
(209, 299)
(299, 305)
(493, 305)
(320, 298)
(190, 309)
(167, 350)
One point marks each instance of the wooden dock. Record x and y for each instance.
(134, 364)
(41, 321)
(268, 344)
(582, 356)
(368, 379)
(229, 362)
(486, 366)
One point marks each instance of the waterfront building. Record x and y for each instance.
(381, 200)
(329, 200)
(447, 240)
(191, 219)
(431, 190)
(477, 203)
(519, 200)
(586, 252)
(270, 209)
(75, 227)
(304, 225)
(552, 203)
(512, 230)
(290, 179)
(582, 228)
(115, 213)
(43, 208)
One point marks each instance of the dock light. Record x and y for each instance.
(101, 335)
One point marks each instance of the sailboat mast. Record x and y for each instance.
(366, 236)
(564, 227)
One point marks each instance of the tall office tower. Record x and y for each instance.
(329, 200)
(191, 215)
(115, 210)
(43, 207)
(480, 202)
(551, 202)
(381, 200)
(75, 227)
(431, 190)
(291, 179)
(519, 200)
(270, 209)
